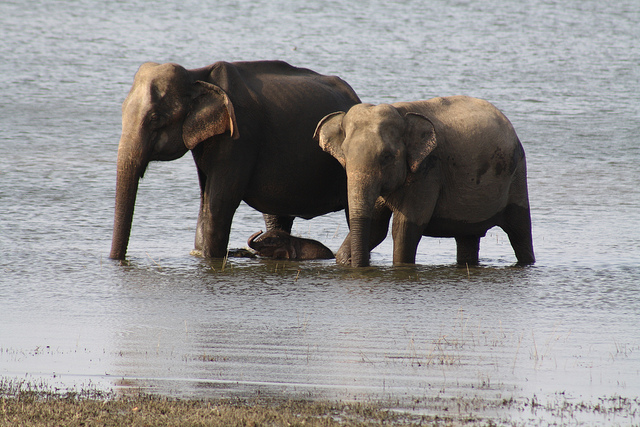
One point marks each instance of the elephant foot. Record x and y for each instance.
(343, 257)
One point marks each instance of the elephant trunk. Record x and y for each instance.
(252, 240)
(360, 227)
(363, 190)
(131, 166)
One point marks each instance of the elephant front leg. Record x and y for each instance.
(214, 226)
(343, 256)
(406, 236)
(212, 232)
(199, 241)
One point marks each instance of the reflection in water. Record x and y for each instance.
(394, 333)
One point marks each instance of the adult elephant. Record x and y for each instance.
(250, 128)
(445, 167)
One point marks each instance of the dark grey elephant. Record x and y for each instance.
(250, 128)
(446, 167)
(279, 244)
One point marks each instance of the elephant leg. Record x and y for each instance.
(216, 227)
(517, 225)
(214, 223)
(278, 222)
(343, 256)
(378, 232)
(199, 241)
(467, 250)
(406, 236)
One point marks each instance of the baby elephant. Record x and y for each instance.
(445, 167)
(279, 244)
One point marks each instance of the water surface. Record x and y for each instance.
(563, 331)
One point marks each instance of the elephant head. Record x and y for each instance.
(279, 244)
(379, 148)
(272, 244)
(167, 112)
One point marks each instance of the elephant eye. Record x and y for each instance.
(154, 118)
(386, 158)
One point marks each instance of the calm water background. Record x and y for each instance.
(567, 74)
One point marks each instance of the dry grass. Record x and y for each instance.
(28, 406)
(25, 404)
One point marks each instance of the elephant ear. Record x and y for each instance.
(211, 114)
(419, 138)
(330, 135)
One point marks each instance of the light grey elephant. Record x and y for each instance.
(445, 167)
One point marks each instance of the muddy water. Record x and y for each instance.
(424, 337)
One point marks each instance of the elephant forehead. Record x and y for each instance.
(162, 79)
(364, 146)
(169, 70)
(373, 118)
(139, 96)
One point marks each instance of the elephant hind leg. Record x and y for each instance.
(517, 225)
(278, 222)
(467, 250)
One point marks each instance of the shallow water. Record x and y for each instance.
(565, 330)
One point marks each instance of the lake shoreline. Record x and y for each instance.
(25, 403)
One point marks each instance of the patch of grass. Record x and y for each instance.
(28, 405)
(36, 404)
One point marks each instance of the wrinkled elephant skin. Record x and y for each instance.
(445, 167)
(249, 126)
